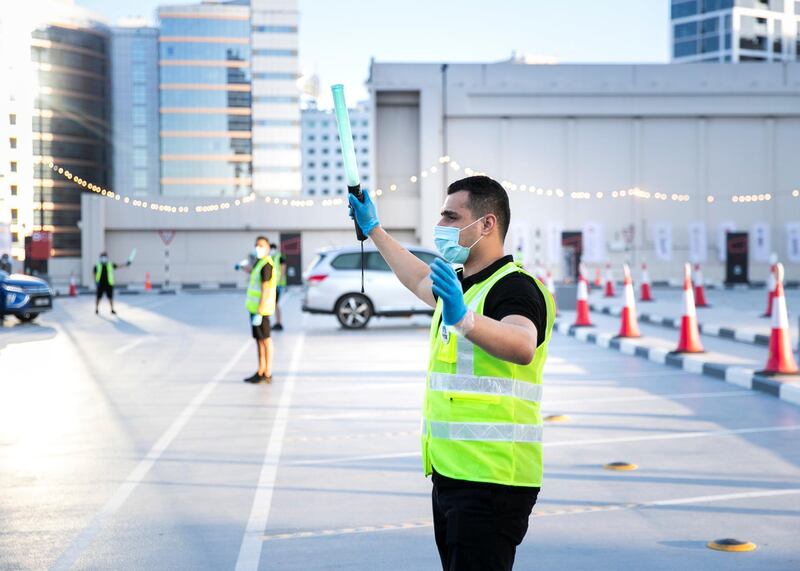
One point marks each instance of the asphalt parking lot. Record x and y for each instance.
(132, 443)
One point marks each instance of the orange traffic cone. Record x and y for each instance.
(609, 282)
(646, 294)
(630, 324)
(699, 288)
(148, 284)
(771, 283)
(598, 281)
(550, 284)
(582, 304)
(689, 341)
(73, 285)
(781, 360)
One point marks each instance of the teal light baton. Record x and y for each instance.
(348, 152)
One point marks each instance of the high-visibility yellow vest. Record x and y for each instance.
(481, 419)
(278, 259)
(254, 288)
(98, 271)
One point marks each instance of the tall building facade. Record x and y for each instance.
(230, 108)
(205, 85)
(323, 171)
(55, 64)
(276, 99)
(135, 109)
(735, 30)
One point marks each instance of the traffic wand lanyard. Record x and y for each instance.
(349, 160)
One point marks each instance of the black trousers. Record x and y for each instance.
(479, 526)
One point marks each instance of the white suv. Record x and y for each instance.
(333, 286)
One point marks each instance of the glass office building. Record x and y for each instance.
(735, 30)
(135, 115)
(205, 92)
(70, 125)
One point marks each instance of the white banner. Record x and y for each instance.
(722, 242)
(760, 242)
(698, 245)
(793, 241)
(594, 243)
(662, 240)
(554, 243)
(519, 242)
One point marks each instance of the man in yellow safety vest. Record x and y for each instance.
(260, 304)
(104, 281)
(481, 429)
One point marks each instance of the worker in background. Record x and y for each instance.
(482, 429)
(260, 304)
(104, 280)
(280, 268)
(5, 263)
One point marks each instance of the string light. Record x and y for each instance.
(510, 186)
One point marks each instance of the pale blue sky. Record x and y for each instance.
(338, 38)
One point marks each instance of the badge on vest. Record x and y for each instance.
(444, 333)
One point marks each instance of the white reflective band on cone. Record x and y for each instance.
(486, 431)
(688, 300)
(486, 386)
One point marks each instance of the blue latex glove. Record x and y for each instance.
(366, 214)
(447, 288)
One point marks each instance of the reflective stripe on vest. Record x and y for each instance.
(482, 420)
(254, 288)
(485, 386)
(488, 431)
(98, 271)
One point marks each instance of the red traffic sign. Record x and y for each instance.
(166, 236)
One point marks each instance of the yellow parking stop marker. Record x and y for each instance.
(556, 418)
(729, 544)
(620, 466)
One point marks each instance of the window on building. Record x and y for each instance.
(364, 137)
(312, 178)
(138, 74)
(140, 179)
(325, 164)
(312, 151)
(12, 118)
(14, 214)
(339, 164)
(338, 151)
(364, 151)
(12, 142)
(753, 33)
(325, 178)
(139, 136)
(311, 164)
(365, 177)
(364, 164)
(13, 166)
(139, 94)
(710, 44)
(139, 115)
(139, 158)
(15, 236)
(683, 8)
(777, 38)
(339, 177)
(340, 191)
(325, 137)
(14, 190)
(326, 191)
(312, 191)
(325, 151)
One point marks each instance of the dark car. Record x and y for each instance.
(24, 296)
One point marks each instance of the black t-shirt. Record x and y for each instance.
(266, 273)
(514, 294)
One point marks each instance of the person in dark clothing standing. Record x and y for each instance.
(104, 281)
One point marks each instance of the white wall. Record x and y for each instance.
(702, 129)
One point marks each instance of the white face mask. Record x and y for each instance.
(261, 252)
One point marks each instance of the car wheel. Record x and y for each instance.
(354, 311)
(27, 317)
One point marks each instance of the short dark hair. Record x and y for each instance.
(486, 196)
(259, 238)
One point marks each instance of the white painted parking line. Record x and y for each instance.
(85, 538)
(250, 550)
(653, 397)
(674, 435)
(133, 344)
